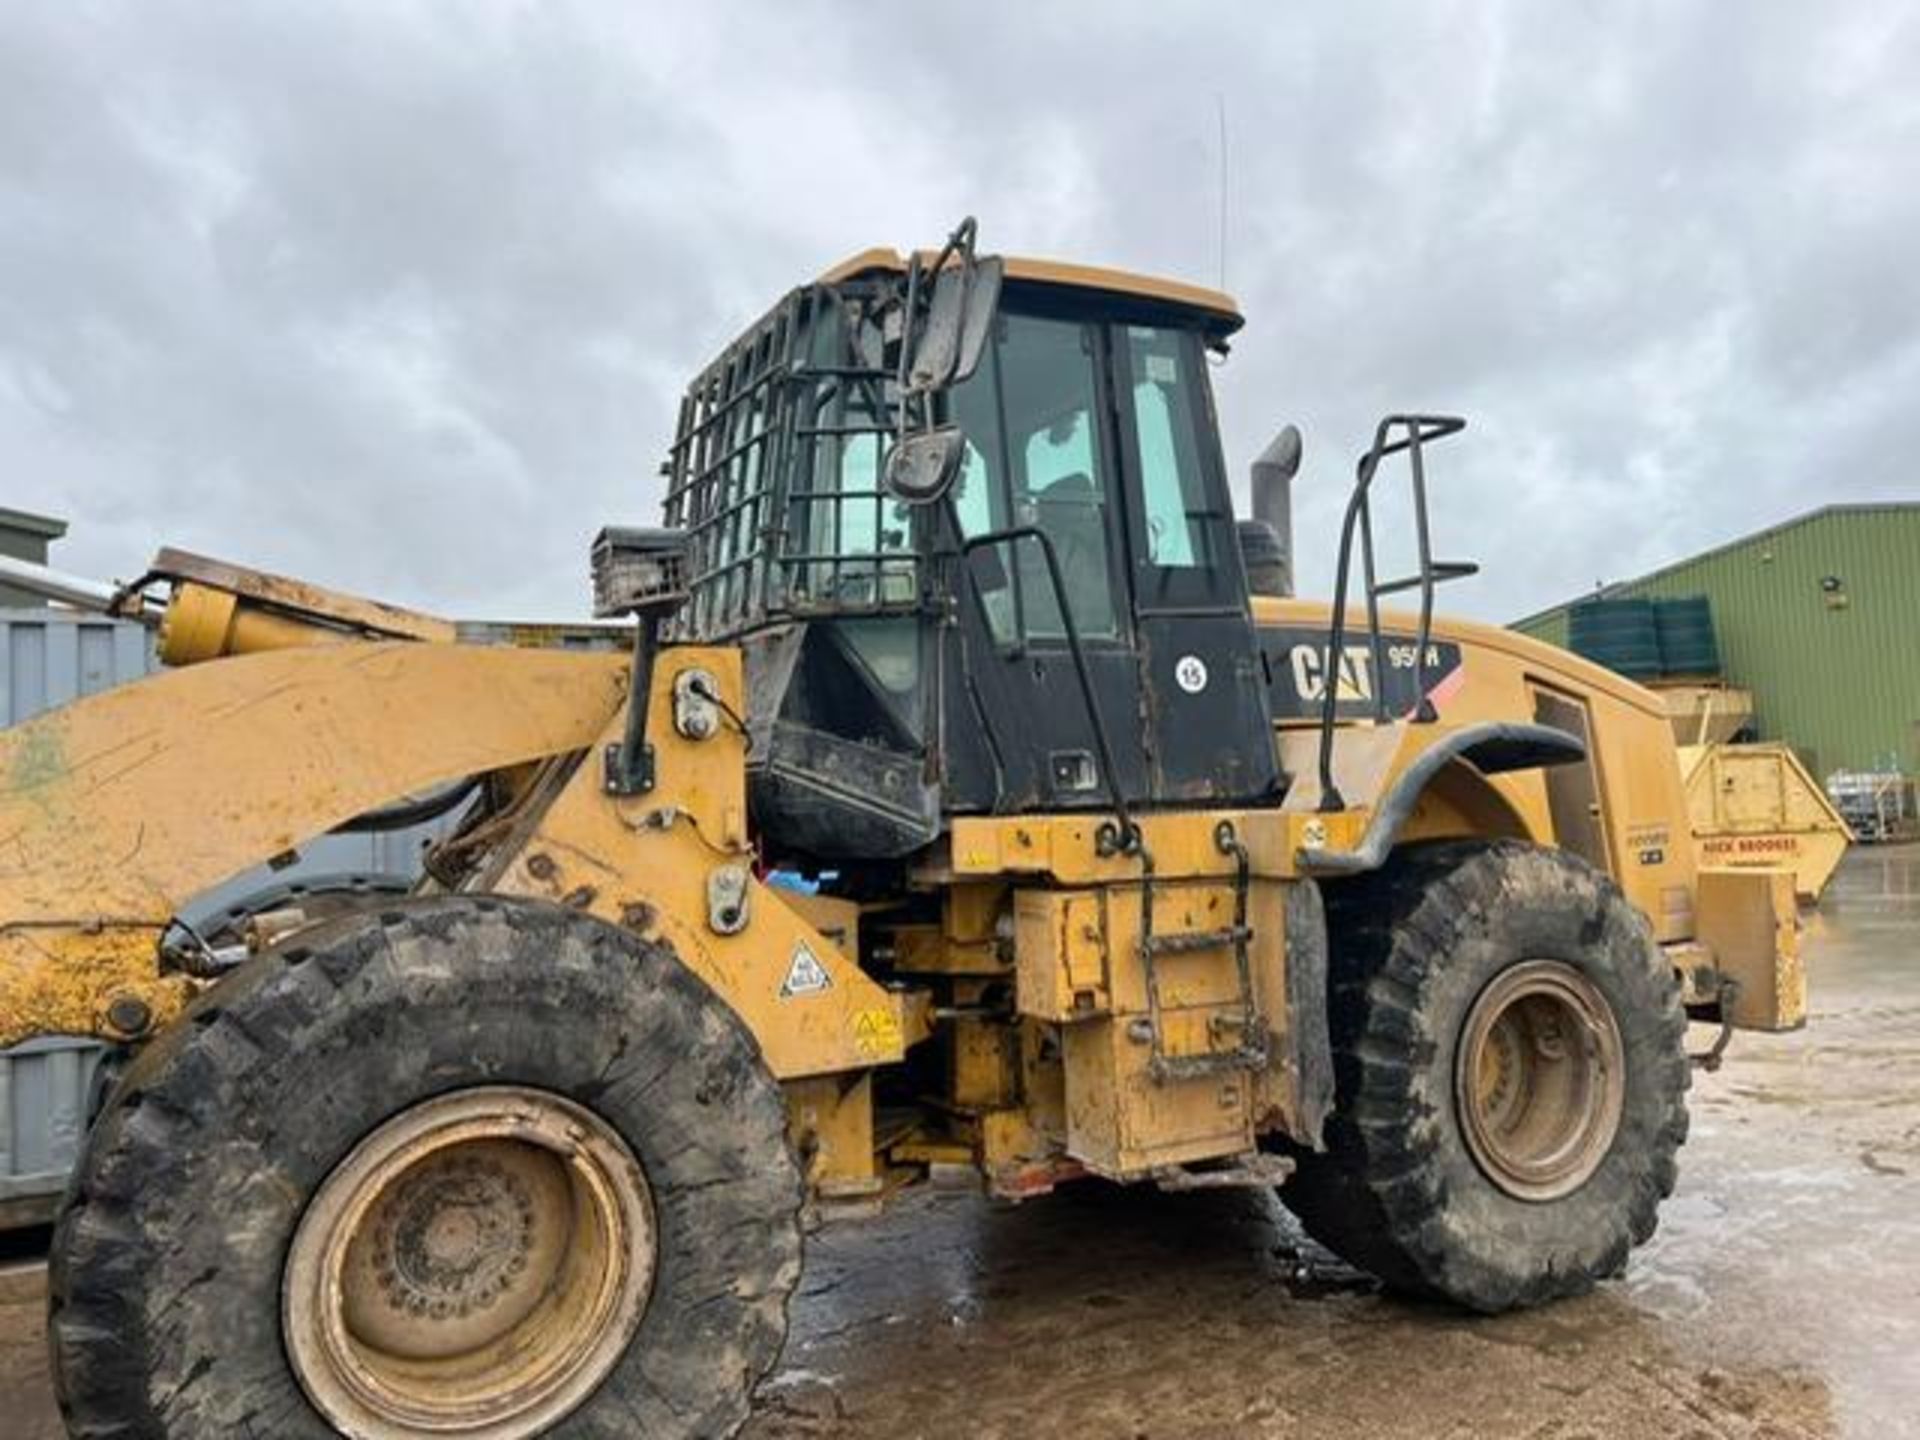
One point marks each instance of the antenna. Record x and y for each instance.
(1220, 110)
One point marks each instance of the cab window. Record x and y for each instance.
(1185, 526)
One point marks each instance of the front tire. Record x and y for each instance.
(471, 1168)
(1510, 1077)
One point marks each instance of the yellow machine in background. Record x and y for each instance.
(1752, 805)
(946, 793)
(1755, 805)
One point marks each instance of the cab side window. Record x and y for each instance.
(1034, 458)
(1185, 530)
(1060, 478)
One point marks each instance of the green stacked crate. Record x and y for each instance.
(1619, 634)
(1684, 627)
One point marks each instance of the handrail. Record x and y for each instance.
(1419, 429)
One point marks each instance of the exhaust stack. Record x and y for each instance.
(1266, 541)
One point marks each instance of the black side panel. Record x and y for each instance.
(972, 772)
(1029, 725)
(1210, 737)
(1309, 1048)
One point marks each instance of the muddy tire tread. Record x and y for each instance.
(1395, 1192)
(161, 1325)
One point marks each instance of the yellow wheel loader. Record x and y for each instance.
(953, 781)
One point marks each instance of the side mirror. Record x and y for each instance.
(944, 348)
(966, 296)
(922, 466)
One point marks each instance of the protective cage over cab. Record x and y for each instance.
(1065, 626)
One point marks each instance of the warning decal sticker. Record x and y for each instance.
(876, 1034)
(805, 974)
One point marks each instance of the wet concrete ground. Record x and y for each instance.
(1781, 1297)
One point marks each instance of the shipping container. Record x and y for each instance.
(48, 657)
(45, 1096)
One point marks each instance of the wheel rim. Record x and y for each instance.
(1540, 1079)
(473, 1268)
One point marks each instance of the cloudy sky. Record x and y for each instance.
(400, 297)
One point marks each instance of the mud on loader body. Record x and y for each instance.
(951, 798)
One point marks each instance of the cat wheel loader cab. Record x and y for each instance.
(936, 789)
(1077, 586)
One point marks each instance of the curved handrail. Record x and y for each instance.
(1418, 430)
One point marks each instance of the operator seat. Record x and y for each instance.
(1070, 512)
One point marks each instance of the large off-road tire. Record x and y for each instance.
(1510, 1077)
(468, 1167)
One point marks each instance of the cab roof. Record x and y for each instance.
(1219, 311)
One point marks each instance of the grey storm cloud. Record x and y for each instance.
(401, 297)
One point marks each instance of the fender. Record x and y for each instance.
(1492, 748)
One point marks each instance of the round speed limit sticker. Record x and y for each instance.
(1190, 674)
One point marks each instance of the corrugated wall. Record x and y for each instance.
(45, 1090)
(1840, 683)
(48, 658)
(1551, 627)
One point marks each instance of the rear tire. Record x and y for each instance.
(1509, 1072)
(586, 1057)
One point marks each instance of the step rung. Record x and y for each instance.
(1246, 1172)
(1214, 1062)
(1199, 940)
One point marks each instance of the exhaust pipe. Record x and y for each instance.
(1266, 541)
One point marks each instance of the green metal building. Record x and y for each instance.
(1820, 618)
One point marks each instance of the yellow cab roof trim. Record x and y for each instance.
(1221, 310)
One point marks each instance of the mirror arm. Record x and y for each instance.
(905, 396)
(937, 350)
(961, 243)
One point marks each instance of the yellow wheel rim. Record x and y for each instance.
(474, 1268)
(1540, 1080)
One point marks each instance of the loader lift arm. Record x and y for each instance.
(108, 824)
(117, 810)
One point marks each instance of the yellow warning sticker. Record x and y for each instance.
(876, 1032)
